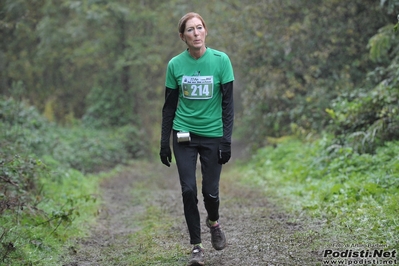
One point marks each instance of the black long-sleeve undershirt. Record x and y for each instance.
(227, 111)
(168, 114)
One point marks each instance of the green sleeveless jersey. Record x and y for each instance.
(199, 108)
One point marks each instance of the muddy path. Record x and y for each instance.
(258, 232)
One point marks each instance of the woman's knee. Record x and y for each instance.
(211, 198)
(189, 192)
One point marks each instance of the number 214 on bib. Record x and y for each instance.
(197, 87)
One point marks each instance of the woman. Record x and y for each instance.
(198, 110)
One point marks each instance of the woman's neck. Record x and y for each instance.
(197, 53)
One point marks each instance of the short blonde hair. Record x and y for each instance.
(188, 16)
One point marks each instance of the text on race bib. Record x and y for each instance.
(197, 87)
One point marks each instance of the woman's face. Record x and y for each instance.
(194, 34)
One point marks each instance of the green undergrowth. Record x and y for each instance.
(49, 180)
(35, 231)
(25, 132)
(356, 195)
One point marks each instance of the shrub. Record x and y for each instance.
(25, 131)
(352, 192)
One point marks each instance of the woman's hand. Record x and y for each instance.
(166, 155)
(224, 153)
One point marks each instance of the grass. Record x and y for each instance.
(355, 194)
(152, 245)
(145, 230)
(36, 233)
(47, 189)
(153, 238)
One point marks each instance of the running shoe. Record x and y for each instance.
(197, 257)
(218, 238)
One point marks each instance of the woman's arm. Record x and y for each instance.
(168, 114)
(228, 122)
(227, 111)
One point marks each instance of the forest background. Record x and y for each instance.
(82, 83)
(300, 66)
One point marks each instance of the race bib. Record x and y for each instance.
(197, 87)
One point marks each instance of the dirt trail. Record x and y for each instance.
(257, 231)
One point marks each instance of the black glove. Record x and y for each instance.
(224, 153)
(166, 155)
